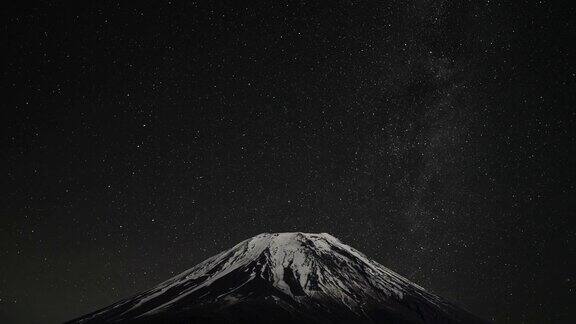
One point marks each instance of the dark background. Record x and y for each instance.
(435, 136)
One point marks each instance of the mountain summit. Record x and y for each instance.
(285, 278)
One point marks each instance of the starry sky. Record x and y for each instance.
(437, 137)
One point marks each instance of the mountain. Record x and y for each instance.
(285, 278)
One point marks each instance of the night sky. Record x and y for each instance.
(437, 137)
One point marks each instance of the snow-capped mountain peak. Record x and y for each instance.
(305, 276)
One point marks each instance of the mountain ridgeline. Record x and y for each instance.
(285, 278)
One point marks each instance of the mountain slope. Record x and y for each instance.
(286, 278)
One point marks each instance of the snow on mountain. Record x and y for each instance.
(288, 277)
